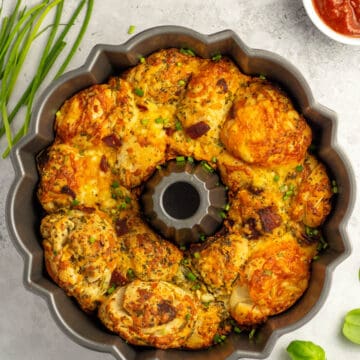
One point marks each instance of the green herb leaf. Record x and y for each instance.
(139, 92)
(187, 52)
(351, 326)
(191, 276)
(305, 350)
(216, 57)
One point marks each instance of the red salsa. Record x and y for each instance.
(343, 16)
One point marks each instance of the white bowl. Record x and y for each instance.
(324, 28)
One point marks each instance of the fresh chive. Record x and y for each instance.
(128, 199)
(207, 167)
(262, 77)
(216, 57)
(190, 159)
(181, 82)
(182, 247)
(196, 255)
(276, 178)
(139, 92)
(299, 168)
(214, 159)
(115, 184)
(187, 317)
(222, 214)
(227, 207)
(202, 237)
(130, 274)
(159, 120)
(334, 187)
(142, 60)
(144, 121)
(180, 159)
(196, 287)
(131, 29)
(237, 330)
(158, 167)
(13, 30)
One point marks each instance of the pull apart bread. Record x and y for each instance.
(111, 137)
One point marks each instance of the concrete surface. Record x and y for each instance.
(27, 331)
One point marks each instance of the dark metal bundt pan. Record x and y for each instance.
(23, 212)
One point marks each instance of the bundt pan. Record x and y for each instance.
(23, 213)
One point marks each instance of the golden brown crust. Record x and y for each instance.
(263, 127)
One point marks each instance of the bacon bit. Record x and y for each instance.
(112, 141)
(166, 312)
(118, 279)
(86, 209)
(104, 165)
(121, 227)
(66, 190)
(142, 107)
(222, 83)
(169, 131)
(269, 217)
(252, 232)
(197, 130)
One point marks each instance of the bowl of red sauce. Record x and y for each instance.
(338, 19)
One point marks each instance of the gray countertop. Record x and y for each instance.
(333, 72)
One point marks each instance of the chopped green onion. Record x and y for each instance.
(142, 60)
(196, 287)
(75, 202)
(191, 276)
(207, 167)
(334, 188)
(237, 330)
(180, 159)
(252, 334)
(182, 247)
(159, 120)
(216, 57)
(115, 184)
(130, 274)
(190, 159)
(158, 167)
(181, 82)
(131, 29)
(299, 168)
(276, 178)
(214, 159)
(187, 52)
(202, 237)
(139, 92)
(222, 214)
(178, 125)
(110, 290)
(262, 77)
(91, 239)
(128, 199)
(196, 255)
(144, 121)
(187, 317)
(227, 207)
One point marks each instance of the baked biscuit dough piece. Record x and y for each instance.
(263, 128)
(275, 276)
(96, 116)
(79, 254)
(80, 178)
(154, 313)
(312, 202)
(150, 256)
(204, 107)
(220, 261)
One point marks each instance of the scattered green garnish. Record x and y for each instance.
(180, 159)
(187, 317)
(196, 287)
(351, 326)
(190, 159)
(334, 187)
(18, 32)
(237, 330)
(144, 121)
(178, 125)
(191, 276)
(128, 199)
(182, 247)
(262, 77)
(131, 29)
(115, 184)
(92, 239)
(207, 167)
(158, 167)
(139, 92)
(216, 57)
(196, 255)
(202, 237)
(142, 60)
(276, 178)
(187, 52)
(130, 274)
(305, 350)
(219, 338)
(222, 214)
(75, 202)
(227, 207)
(299, 168)
(110, 290)
(159, 120)
(181, 82)
(252, 333)
(214, 159)
(312, 232)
